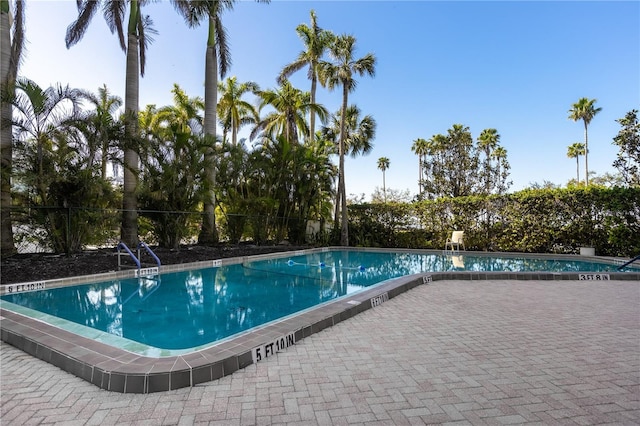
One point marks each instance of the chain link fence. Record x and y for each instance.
(73, 229)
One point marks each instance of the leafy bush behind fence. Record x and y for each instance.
(73, 229)
(540, 221)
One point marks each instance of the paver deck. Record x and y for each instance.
(452, 352)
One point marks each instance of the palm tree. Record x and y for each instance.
(41, 115)
(139, 30)
(502, 169)
(10, 54)
(584, 110)
(289, 183)
(172, 159)
(359, 132)
(45, 124)
(290, 108)
(322, 177)
(102, 129)
(452, 164)
(184, 116)
(316, 41)
(575, 150)
(341, 73)
(217, 62)
(147, 119)
(174, 125)
(236, 112)
(383, 164)
(419, 148)
(488, 141)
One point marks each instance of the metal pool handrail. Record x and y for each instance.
(133, 256)
(121, 244)
(146, 247)
(621, 267)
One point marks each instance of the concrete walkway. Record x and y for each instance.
(452, 352)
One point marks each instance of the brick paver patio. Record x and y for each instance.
(452, 352)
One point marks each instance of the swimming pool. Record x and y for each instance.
(218, 304)
(190, 309)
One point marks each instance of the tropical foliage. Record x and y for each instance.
(495, 166)
(316, 41)
(359, 132)
(182, 180)
(11, 47)
(54, 168)
(139, 33)
(237, 112)
(172, 175)
(557, 220)
(575, 150)
(453, 166)
(419, 148)
(340, 73)
(170, 155)
(383, 165)
(271, 191)
(358, 137)
(584, 110)
(628, 142)
(217, 62)
(290, 106)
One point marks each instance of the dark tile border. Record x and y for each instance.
(117, 370)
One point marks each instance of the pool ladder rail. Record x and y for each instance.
(127, 252)
(624, 265)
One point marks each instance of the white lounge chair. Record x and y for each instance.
(456, 240)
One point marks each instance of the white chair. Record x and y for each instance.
(456, 240)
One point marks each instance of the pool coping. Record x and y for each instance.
(118, 370)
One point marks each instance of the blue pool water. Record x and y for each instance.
(194, 308)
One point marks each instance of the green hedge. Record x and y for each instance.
(532, 221)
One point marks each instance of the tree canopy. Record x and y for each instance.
(453, 166)
(628, 142)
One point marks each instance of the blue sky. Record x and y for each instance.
(514, 66)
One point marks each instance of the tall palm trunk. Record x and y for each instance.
(104, 159)
(586, 154)
(384, 186)
(234, 133)
(6, 160)
(419, 174)
(129, 231)
(336, 210)
(344, 233)
(312, 115)
(292, 131)
(577, 169)
(208, 234)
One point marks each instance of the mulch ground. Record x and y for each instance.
(44, 266)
